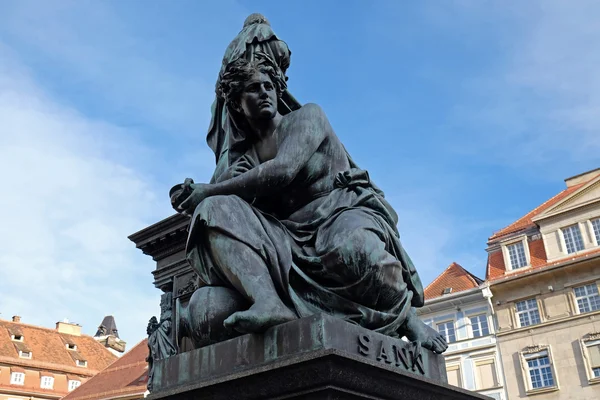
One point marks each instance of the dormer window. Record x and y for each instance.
(17, 338)
(81, 363)
(71, 346)
(516, 254)
(517, 257)
(447, 290)
(25, 354)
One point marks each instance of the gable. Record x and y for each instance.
(586, 194)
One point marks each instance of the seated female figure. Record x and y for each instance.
(297, 229)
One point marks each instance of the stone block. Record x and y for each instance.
(318, 357)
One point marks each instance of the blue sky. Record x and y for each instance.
(467, 113)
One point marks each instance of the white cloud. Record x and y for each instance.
(539, 106)
(100, 52)
(68, 204)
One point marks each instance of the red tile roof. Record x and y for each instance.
(496, 267)
(49, 355)
(455, 277)
(128, 376)
(526, 221)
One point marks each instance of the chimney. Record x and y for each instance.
(69, 328)
(16, 318)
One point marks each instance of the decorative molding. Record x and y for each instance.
(190, 286)
(591, 336)
(536, 348)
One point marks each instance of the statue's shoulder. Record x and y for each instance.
(309, 110)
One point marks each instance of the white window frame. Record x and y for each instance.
(455, 365)
(81, 363)
(449, 321)
(528, 310)
(564, 242)
(68, 345)
(73, 384)
(22, 354)
(533, 352)
(575, 298)
(16, 338)
(17, 378)
(506, 254)
(595, 239)
(47, 382)
(592, 339)
(483, 361)
(487, 320)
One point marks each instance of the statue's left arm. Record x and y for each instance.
(303, 131)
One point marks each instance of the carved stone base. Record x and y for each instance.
(319, 357)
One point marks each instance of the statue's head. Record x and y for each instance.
(256, 18)
(252, 88)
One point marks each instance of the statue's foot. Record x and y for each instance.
(416, 330)
(259, 317)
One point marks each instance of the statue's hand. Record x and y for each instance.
(200, 191)
(180, 192)
(243, 165)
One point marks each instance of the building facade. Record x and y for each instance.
(42, 363)
(125, 379)
(544, 273)
(458, 305)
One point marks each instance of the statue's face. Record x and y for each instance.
(258, 100)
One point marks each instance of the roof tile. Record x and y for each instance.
(455, 277)
(128, 375)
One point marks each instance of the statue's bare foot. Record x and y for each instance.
(260, 317)
(416, 330)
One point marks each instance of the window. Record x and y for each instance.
(454, 375)
(17, 378)
(81, 363)
(573, 239)
(73, 384)
(47, 382)
(540, 372)
(18, 338)
(485, 374)
(516, 253)
(447, 330)
(71, 346)
(596, 228)
(587, 298)
(527, 312)
(25, 354)
(479, 325)
(591, 355)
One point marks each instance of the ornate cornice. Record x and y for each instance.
(591, 336)
(164, 238)
(536, 348)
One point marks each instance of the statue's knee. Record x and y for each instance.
(218, 205)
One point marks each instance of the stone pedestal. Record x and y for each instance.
(319, 357)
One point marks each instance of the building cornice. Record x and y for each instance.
(47, 366)
(452, 300)
(163, 238)
(22, 391)
(542, 270)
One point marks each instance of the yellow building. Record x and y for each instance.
(43, 363)
(544, 273)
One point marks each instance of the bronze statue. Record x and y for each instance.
(289, 222)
